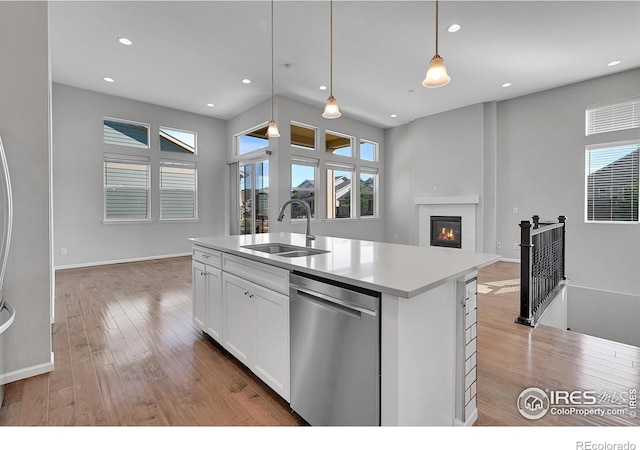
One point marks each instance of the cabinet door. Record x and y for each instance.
(239, 318)
(272, 339)
(199, 294)
(213, 324)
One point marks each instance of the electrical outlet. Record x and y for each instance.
(435, 188)
(515, 246)
(498, 245)
(515, 210)
(63, 251)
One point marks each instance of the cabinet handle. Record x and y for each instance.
(205, 256)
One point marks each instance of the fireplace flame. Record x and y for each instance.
(447, 234)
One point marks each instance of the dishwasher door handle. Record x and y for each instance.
(323, 298)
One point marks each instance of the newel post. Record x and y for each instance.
(525, 273)
(563, 221)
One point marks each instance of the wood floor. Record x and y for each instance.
(127, 353)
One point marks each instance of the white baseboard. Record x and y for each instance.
(27, 372)
(511, 260)
(469, 422)
(119, 261)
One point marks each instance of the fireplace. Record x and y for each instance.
(446, 231)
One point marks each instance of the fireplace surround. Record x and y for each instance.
(464, 206)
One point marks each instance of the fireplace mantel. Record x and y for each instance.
(446, 200)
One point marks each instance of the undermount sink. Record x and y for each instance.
(285, 250)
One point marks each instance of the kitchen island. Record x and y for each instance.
(427, 332)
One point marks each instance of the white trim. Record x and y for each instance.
(510, 260)
(27, 372)
(446, 200)
(119, 261)
(469, 422)
(250, 156)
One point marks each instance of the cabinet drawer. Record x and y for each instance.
(263, 274)
(207, 256)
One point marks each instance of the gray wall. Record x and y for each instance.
(24, 127)
(526, 153)
(78, 150)
(287, 111)
(442, 154)
(541, 170)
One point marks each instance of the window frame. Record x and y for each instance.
(376, 193)
(130, 160)
(602, 147)
(306, 162)
(339, 167)
(376, 151)
(195, 140)
(175, 163)
(351, 138)
(130, 122)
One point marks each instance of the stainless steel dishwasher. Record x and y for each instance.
(335, 352)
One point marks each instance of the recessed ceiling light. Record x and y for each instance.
(109, 79)
(613, 63)
(322, 88)
(506, 85)
(246, 81)
(125, 41)
(210, 105)
(394, 115)
(453, 28)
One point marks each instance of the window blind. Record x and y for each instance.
(612, 184)
(178, 190)
(614, 116)
(126, 189)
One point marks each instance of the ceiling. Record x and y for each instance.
(187, 54)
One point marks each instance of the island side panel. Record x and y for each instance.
(418, 360)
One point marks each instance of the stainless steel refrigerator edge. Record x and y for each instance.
(335, 353)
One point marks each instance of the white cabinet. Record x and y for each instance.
(256, 320)
(207, 292)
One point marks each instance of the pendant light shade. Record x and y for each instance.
(331, 110)
(272, 131)
(437, 73)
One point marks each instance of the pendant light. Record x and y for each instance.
(437, 73)
(272, 131)
(331, 110)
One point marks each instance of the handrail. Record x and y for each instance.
(542, 266)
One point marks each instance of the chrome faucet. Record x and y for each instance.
(307, 208)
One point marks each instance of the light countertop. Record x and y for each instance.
(400, 270)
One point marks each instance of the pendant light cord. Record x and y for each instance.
(272, 83)
(436, 27)
(331, 47)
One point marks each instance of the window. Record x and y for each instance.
(368, 192)
(128, 134)
(613, 116)
(368, 151)
(339, 191)
(253, 197)
(612, 183)
(178, 190)
(252, 141)
(338, 144)
(177, 141)
(126, 188)
(303, 186)
(303, 137)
